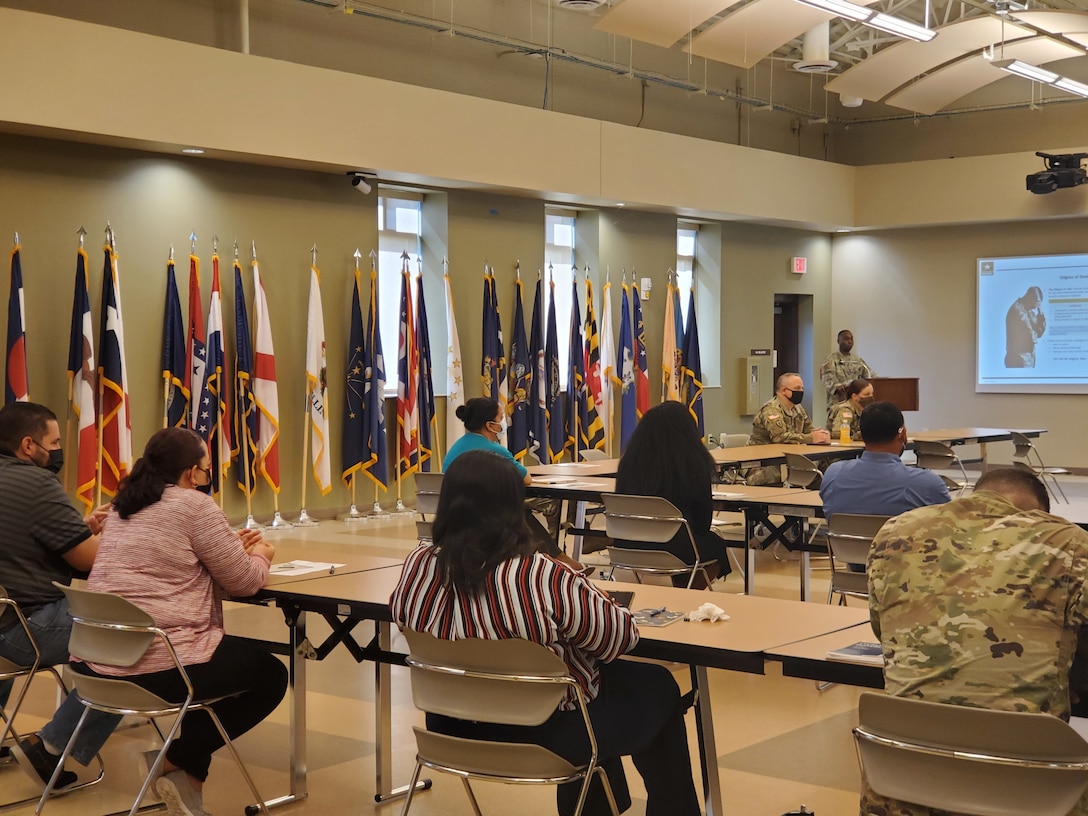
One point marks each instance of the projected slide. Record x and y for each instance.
(1033, 324)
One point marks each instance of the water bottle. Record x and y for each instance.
(844, 432)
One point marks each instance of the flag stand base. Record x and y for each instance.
(252, 523)
(402, 509)
(377, 511)
(306, 520)
(279, 523)
(354, 515)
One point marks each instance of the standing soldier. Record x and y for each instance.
(842, 367)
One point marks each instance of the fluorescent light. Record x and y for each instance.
(841, 8)
(901, 28)
(193, 151)
(1071, 85)
(1028, 71)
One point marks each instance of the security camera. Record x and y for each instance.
(360, 183)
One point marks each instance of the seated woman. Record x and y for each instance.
(859, 393)
(167, 548)
(666, 457)
(482, 577)
(484, 425)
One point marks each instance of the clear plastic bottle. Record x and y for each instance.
(844, 432)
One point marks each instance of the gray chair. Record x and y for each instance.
(1026, 456)
(508, 682)
(802, 472)
(727, 474)
(428, 486)
(940, 456)
(970, 760)
(10, 670)
(849, 538)
(593, 455)
(653, 520)
(111, 631)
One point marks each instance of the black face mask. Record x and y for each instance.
(56, 461)
(206, 489)
(796, 397)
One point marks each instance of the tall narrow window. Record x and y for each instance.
(686, 240)
(559, 256)
(399, 231)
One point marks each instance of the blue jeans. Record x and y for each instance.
(51, 626)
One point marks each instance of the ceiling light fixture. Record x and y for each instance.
(874, 19)
(1037, 74)
(193, 151)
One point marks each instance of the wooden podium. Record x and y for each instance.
(902, 392)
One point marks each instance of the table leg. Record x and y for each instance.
(579, 523)
(805, 573)
(708, 752)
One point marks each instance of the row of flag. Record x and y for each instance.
(552, 421)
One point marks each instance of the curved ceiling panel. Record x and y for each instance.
(660, 23)
(1072, 24)
(944, 86)
(882, 73)
(750, 34)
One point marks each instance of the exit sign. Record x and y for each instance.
(799, 266)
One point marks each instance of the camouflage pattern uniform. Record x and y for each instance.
(775, 425)
(978, 603)
(844, 411)
(838, 370)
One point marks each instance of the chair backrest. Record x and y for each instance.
(934, 455)
(511, 682)
(12, 617)
(593, 455)
(107, 628)
(428, 486)
(641, 518)
(424, 530)
(850, 536)
(530, 459)
(970, 760)
(1023, 446)
(735, 440)
(802, 472)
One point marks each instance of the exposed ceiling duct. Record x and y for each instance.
(816, 51)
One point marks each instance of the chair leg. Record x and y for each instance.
(237, 760)
(607, 790)
(586, 780)
(471, 796)
(63, 758)
(411, 790)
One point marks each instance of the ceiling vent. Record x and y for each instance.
(815, 51)
(580, 5)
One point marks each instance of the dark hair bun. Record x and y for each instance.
(462, 412)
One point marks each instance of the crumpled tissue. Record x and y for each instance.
(708, 612)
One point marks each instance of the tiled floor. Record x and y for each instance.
(780, 741)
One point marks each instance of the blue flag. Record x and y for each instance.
(537, 405)
(215, 383)
(576, 413)
(428, 429)
(245, 415)
(556, 430)
(492, 347)
(628, 417)
(355, 409)
(642, 375)
(691, 388)
(375, 451)
(521, 382)
(173, 356)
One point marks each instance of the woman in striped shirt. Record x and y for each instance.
(168, 548)
(483, 578)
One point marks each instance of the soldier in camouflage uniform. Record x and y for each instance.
(980, 602)
(858, 394)
(842, 367)
(782, 420)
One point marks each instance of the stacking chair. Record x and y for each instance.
(970, 760)
(508, 682)
(732, 475)
(111, 631)
(849, 537)
(1022, 458)
(653, 520)
(593, 455)
(802, 472)
(9, 670)
(939, 456)
(428, 486)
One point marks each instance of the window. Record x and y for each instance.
(686, 239)
(399, 230)
(559, 257)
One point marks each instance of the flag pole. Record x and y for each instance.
(304, 518)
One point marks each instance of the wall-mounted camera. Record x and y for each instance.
(363, 182)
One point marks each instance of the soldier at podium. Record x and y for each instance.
(842, 367)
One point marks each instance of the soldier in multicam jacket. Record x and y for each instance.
(980, 602)
(842, 367)
(782, 420)
(858, 394)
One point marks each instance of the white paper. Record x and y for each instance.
(303, 567)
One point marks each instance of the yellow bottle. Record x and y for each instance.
(844, 432)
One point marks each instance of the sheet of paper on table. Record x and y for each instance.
(303, 567)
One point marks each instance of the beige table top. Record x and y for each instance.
(352, 561)
(816, 648)
(598, 467)
(808, 658)
(971, 436)
(769, 454)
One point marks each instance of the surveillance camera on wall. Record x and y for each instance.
(360, 182)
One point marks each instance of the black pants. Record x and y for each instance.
(637, 713)
(256, 678)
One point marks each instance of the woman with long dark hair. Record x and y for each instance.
(665, 457)
(481, 577)
(168, 548)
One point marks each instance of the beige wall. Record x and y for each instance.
(909, 297)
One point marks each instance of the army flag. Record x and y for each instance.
(175, 379)
(115, 424)
(353, 441)
(317, 386)
(81, 387)
(692, 387)
(246, 428)
(521, 381)
(266, 396)
(428, 428)
(16, 387)
(455, 375)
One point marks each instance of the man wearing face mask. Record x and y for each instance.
(878, 483)
(782, 420)
(44, 540)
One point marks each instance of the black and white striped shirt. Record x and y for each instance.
(531, 597)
